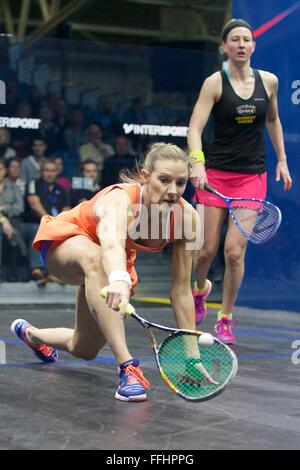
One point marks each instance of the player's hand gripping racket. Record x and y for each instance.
(195, 365)
(256, 219)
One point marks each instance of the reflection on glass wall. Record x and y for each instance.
(93, 108)
(273, 269)
(72, 93)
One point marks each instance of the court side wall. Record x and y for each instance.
(273, 269)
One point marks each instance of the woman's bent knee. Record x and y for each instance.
(85, 355)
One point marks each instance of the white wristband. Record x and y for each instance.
(119, 275)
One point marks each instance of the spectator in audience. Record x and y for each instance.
(136, 114)
(12, 97)
(11, 200)
(44, 196)
(88, 185)
(49, 131)
(95, 149)
(21, 139)
(53, 99)
(13, 171)
(105, 118)
(75, 134)
(5, 150)
(60, 179)
(122, 158)
(60, 116)
(89, 170)
(34, 99)
(11, 208)
(24, 110)
(31, 166)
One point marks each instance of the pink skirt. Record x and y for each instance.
(231, 184)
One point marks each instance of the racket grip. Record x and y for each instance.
(208, 188)
(129, 308)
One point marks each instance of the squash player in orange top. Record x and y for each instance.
(95, 244)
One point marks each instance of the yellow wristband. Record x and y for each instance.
(3, 219)
(196, 156)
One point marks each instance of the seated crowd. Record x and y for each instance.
(36, 186)
(74, 153)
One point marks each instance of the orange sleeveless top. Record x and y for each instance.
(81, 220)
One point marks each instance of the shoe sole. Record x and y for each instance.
(13, 330)
(209, 288)
(136, 398)
(13, 327)
(226, 341)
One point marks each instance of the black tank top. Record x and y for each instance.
(239, 124)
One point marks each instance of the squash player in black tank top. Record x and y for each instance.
(242, 101)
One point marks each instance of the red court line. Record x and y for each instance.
(269, 24)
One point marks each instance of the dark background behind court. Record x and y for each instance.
(73, 77)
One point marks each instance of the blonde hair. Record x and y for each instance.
(157, 152)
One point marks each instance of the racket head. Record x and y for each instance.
(256, 219)
(181, 359)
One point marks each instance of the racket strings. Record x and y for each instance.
(258, 220)
(195, 371)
